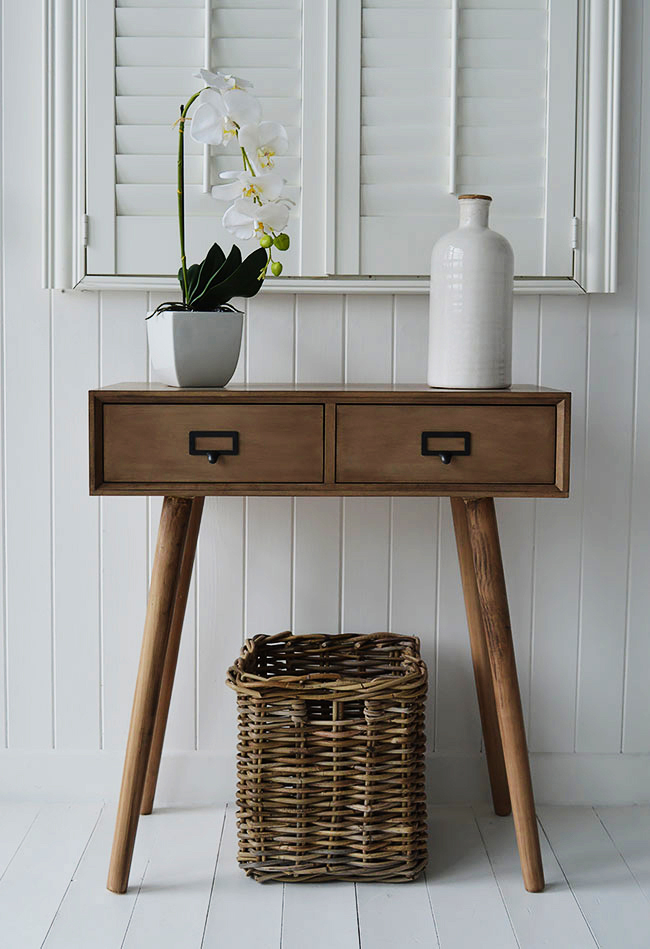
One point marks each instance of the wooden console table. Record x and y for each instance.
(339, 440)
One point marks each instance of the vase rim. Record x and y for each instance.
(476, 197)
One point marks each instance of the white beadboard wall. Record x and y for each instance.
(74, 569)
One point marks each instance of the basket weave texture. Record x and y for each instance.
(331, 757)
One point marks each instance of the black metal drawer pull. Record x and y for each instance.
(446, 454)
(213, 454)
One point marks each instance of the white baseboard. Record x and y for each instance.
(203, 777)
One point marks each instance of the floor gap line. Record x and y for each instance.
(214, 875)
(22, 841)
(433, 915)
(135, 902)
(71, 880)
(284, 886)
(496, 879)
(575, 898)
(614, 844)
(356, 903)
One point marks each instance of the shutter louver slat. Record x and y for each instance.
(158, 45)
(501, 133)
(367, 120)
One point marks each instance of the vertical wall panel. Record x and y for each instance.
(269, 550)
(556, 609)
(411, 335)
(271, 338)
(365, 565)
(27, 377)
(319, 339)
(609, 447)
(3, 631)
(124, 576)
(221, 585)
(636, 721)
(368, 344)
(75, 362)
(317, 570)
(605, 531)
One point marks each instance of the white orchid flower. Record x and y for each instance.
(263, 142)
(246, 218)
(264, 187)
(221, 81)
(219, 116)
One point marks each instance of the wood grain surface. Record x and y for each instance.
(336, 440)
(172, 533)
(490, 583)
(509, 443)
(481, 663)
(151, 443)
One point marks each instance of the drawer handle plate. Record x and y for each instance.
(446, 454)
(213, 454)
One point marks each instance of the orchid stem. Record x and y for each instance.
(181, 187)
(247, 161)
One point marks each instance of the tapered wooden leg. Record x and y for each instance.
(481, 661)
(490, 582)
(187, 565)
(174, 522)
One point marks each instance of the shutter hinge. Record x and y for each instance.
(84, 229)
(575, 232)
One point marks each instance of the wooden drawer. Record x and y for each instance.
(261, 443)
(506, 444)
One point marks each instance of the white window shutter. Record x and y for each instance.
(515, 120)
(158, 45)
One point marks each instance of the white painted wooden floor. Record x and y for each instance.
(187, 890)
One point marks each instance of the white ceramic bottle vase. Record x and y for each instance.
(470, 304)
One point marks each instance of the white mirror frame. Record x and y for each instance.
(597, 154)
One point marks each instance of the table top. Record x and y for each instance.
(160, 388)
(153, 392)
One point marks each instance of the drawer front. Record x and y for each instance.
(247, 443)
(498, 444)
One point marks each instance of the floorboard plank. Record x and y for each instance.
(37, 878)
(395, 915)
(467, 904)
(242, 913)
(90, 915)
(609, 896)
(173, 901)
(320, 915)
(15, 823)
(540, 921)
(629, 828)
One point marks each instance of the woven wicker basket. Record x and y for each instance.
(331, 757)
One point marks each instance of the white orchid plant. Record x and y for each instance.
(228, 112)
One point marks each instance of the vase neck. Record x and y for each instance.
(474, 212)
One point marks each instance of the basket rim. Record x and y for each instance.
(249, 683)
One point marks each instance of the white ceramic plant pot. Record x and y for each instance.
(194, 348)
(470, 304)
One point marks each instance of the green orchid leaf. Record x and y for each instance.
(213, 261)
(229, 267)
(243, 282)
(192, 278)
